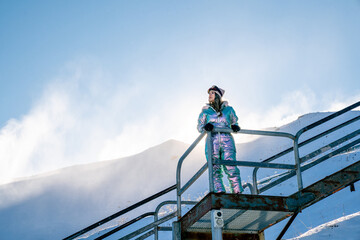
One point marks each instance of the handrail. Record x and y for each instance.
(142, 216)
(107, 219)
(160, 206)
(306, 128)
(178, 171)
(309, 165)
(254, 132)
(330, 145)
(266, 133)
(156, 218)
(180, 190)
(286, 151)
(194, 178)
(146, 235)
(148, 227)
(328, 118)
(257, 132)
(255, 164)
(311, 126)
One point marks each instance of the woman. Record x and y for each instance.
(218, 113)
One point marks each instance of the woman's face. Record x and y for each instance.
(211, 96)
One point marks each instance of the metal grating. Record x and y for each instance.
(202, 225)
(241, 221)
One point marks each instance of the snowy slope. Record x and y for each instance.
(78, 196)
(346, 227)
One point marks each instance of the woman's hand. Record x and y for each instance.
(235, 128)
(208, 127)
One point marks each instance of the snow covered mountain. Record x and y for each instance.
(59, 203)
(53, 205)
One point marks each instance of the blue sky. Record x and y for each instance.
(84, 81)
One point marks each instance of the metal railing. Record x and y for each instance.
(209, 165)
(294, 169)
(127, 224)
(157, 213)
(152, 228)
(120, 213)
(315, 153)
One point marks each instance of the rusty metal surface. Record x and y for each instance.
(249, 202)
(225, 236)
(199, 210)
(254, 221)
(329, 185)
(238, 208)
(248, 221)
(254, 213)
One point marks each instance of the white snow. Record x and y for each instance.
(346, 227)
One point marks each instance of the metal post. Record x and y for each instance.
(178, 173)
(287, 225)
(178, 205)
(156, 216)
(176, 231)
(210, 162)
(297, 164)
(217, 223)
(156, 228)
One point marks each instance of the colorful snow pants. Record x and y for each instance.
(223, 148)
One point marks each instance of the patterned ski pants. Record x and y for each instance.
(223, 148)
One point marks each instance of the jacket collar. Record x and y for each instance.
(223, 105)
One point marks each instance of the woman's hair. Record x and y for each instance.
(217, 104)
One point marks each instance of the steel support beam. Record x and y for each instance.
(287, 226)
(330, 184)
(217, 223)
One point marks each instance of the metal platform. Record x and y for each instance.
(240, 221)
(242, 214)
(252, 214)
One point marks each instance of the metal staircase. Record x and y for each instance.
(246, 216)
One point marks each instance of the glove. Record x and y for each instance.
(235, 128)
(208, 127)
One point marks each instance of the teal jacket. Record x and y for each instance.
(209, 115)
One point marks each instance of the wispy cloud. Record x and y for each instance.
(293, 105)
(67, 125)
(83, 116)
